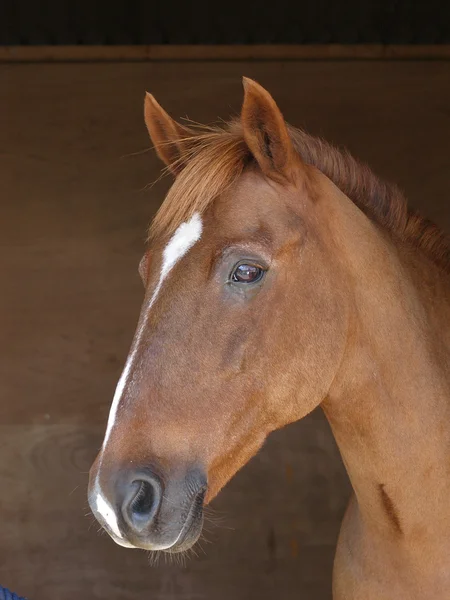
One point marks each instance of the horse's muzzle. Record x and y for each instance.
(142, 509)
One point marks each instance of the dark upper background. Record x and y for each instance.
(31, 22)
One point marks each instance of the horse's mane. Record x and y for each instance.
(216, 156)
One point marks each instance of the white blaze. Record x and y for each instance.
(182, 240)
(180, 243)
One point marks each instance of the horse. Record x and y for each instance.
(282, 274)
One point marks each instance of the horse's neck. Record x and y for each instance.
(389, 406)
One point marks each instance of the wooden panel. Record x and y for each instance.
(223, 52)
(75, 168)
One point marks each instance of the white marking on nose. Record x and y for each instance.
(122, 542)
(182, 240)
(108, 514)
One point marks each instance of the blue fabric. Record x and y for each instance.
(7, 595)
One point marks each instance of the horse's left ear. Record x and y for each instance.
(169, 137)
(266, 133)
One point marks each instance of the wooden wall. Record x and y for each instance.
(75, 168)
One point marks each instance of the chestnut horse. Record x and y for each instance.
(281, 274)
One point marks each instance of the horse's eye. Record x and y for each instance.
(247, 273)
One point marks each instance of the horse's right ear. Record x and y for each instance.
(169, 137)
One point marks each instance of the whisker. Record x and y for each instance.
(138, 152)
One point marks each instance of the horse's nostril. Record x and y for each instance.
(141, 503)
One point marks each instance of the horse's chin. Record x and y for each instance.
(190, 535)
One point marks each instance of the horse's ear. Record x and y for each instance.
(266, 133)
(169, 137)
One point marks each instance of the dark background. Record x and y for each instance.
(249, 22)
(75, 172)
